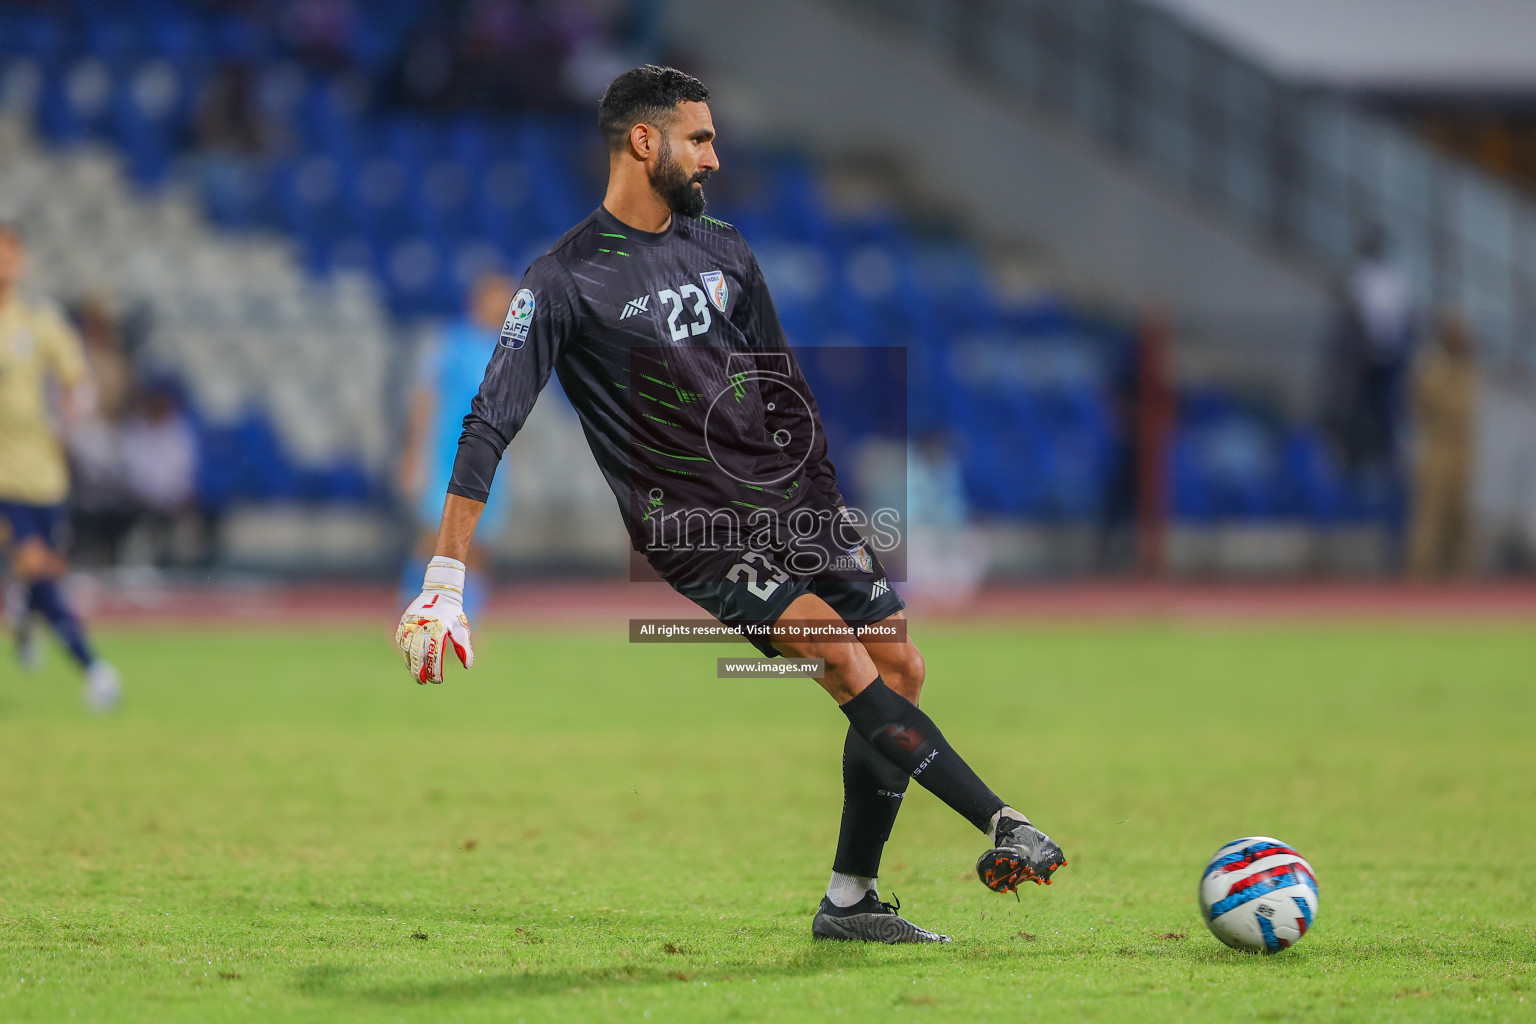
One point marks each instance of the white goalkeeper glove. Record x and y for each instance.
(434, 621)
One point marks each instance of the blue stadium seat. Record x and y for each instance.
(39, 36)
(558, 206)
(420, 279)
(1003, 460)
(150, 111)
(111, 39)
(1079, 459)
(1227, 461)
(234, 190)
(240, 36)
(307, 197)
(329, 120)
(1192, 501)
(178, 35)
(419, 200)
(440, 199)
(375, 200)
(1314, 481)
(76, 101)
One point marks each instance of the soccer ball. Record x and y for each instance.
(1258, 894)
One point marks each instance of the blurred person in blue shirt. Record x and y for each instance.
(946, 558)
(447, 378)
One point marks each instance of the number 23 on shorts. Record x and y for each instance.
(745, 569)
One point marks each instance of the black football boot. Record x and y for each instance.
(868, 920)
(1020, 853)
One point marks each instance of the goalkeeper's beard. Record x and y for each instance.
(675, 188)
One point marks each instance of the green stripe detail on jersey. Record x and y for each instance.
(764, 490)
(671, 455)
(610, 234)
(685, 397)
(658, 401)
(658, 419)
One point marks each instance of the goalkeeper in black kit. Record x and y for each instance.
(658, 322)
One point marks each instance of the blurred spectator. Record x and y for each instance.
(111, 370)
(102, 509)
(1368, 370)
(425, 77)
(160, 461)
(227, 118)
(1144, 405)
(496, 40)
(505, 55)
(1444, 410)
(320, 31)
(447, 378)
(229, 129)
(1117, 533)
(1372, 352)
(947, 560)
(594, 61)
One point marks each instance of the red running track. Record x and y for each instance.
(617, 602)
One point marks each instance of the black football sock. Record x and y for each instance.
(872, 792)
(46, 599)
(896, 728)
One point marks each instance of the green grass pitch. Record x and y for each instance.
(280, 826)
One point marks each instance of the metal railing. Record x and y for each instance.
(1306, 169)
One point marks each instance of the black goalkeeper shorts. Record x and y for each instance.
(757, 587)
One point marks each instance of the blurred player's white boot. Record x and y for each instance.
(103, 690)
(29, 651)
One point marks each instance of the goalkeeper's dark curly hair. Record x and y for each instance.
(645, 95)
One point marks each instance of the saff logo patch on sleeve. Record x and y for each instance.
(714, 284)
(514, 332)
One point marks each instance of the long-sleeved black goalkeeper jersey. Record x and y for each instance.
(670, 351)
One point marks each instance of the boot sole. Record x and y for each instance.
(1002, 870)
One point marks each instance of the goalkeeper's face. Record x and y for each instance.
(685, 159)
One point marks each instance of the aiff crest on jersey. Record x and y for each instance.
(714, 284)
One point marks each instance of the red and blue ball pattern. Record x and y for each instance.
(1258, 894)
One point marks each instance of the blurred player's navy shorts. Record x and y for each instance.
(45, 522)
